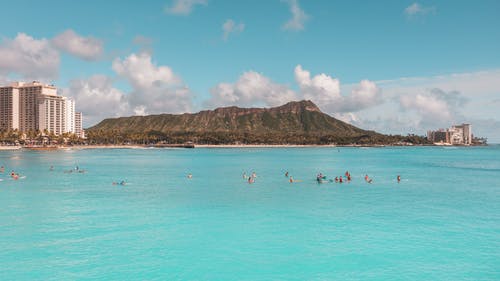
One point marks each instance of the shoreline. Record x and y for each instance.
(80, 147)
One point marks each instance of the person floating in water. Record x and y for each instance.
(398, 178)
(189, 176)
(319, 178)
(367, 179)
(251, 180)
(291, 179)
(336, 179)
(340, 179)
(286, 174)
(14, 175)
(254, 175)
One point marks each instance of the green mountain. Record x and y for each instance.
(299, 122)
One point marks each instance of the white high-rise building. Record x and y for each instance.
(79, 125)
(36, 107)
(9, 108)
(51, 114)
(70, 116)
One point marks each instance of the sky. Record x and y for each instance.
(397, 67)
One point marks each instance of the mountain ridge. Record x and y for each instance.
(297, 122)
(295, 116)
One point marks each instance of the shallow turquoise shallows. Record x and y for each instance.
(441, 222)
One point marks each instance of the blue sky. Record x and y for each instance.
(391, 66)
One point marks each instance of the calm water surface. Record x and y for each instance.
(442, 222)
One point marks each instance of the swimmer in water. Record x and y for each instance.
(189, 176)
(286, 174)
(336, 179)
(14, 175)
(254, 175)
(291, 179)
(251, 180)
(340, 179)
(2, 169)
(244, 175)
(399, 178)
(51, 168)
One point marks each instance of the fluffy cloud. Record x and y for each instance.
(231, 27)
(183, 7)
(435, 106)
(86, 48)
(325, 91)
(251, 89)
(416, 9)
(254, 89)
(28, 57)
(156, 89)
(299, 17)
(97, 98)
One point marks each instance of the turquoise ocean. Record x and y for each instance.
(441, 222)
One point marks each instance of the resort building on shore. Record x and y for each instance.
(35, 106)
(455, 135)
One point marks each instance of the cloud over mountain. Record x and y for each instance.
(155, 89)
(251, 89)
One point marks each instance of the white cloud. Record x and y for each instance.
(184, 7)
(434, 106)
(97, 98)
(299, 17)
(30, 58)
(324, 90)
(418, 104)
(416, 9)
(251, 89)
(86, 48)
(156, 89)
(230, 26)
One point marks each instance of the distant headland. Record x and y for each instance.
(294, 123)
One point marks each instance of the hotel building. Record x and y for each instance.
(455, 135)
(36, 106)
